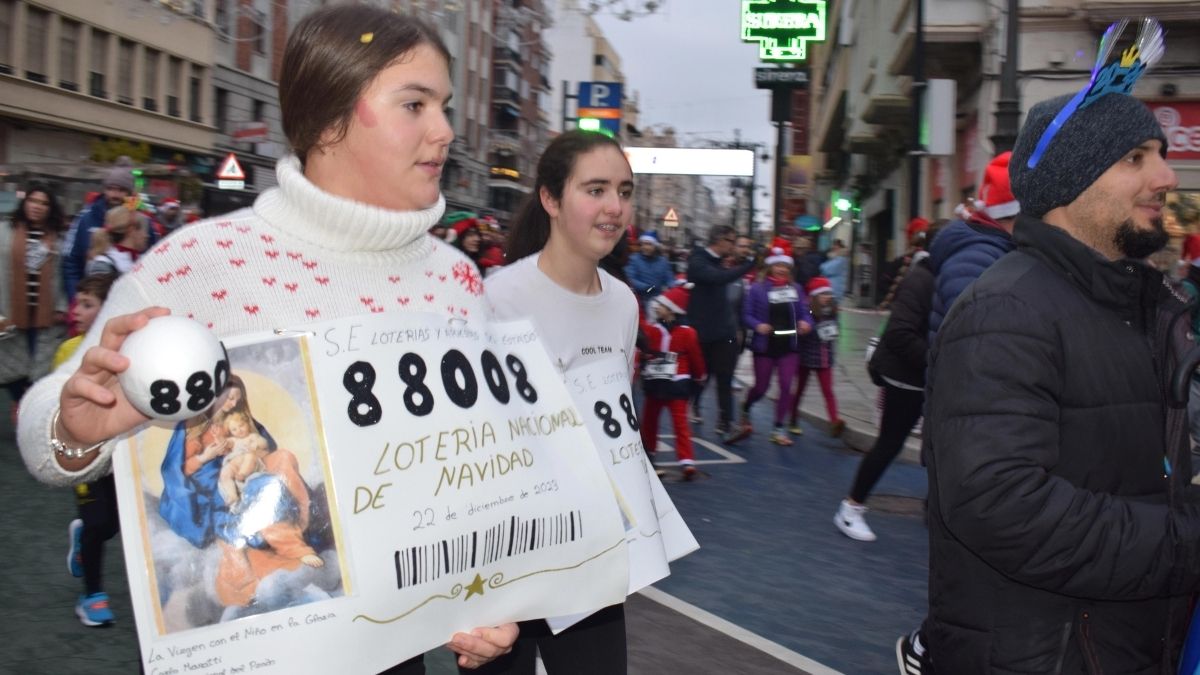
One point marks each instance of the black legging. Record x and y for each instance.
(901, 410)
(97, 503)
(720, 359)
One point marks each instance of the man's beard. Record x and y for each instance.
(1133, 242)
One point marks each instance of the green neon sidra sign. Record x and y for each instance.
(783, 28)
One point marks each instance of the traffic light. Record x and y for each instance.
(843, 204)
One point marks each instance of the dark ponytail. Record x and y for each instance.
(531, 225)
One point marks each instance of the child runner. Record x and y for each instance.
(580, 208)
(674, 363)
(777, 311)
(816, 352)
(97, 501)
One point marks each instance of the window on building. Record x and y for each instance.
(514, 41)
(68, 55)
(258, 33)
(125, 72)
(221, 104)
(150, 80)
(174, 82)
(598, 60)
(36, 27)
(222, 17)
(194, 84)
(7, 11)
(260, 109)
(99, 65)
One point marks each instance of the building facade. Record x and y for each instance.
(82, 83)
(862, 84)
(520, 105)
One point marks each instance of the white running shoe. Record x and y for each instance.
(849, 519)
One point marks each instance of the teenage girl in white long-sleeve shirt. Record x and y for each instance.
(581, 206)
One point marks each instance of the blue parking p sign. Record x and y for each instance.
(600, 95)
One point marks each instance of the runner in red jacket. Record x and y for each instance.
(673, 362)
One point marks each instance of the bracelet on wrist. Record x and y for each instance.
(62, 449)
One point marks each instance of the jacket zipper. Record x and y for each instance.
(1085, 646)
(1062, 648)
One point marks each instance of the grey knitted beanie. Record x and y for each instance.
(121, 174)
(1092, 140)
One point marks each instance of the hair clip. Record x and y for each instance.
(366, 38)
(1116, 77)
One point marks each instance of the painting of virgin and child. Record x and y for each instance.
(237, 516)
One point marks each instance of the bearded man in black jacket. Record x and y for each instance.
(1064, 533)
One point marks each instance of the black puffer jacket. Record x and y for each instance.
(900, 355)
(1057, 542)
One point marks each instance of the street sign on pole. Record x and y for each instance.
(780, 78)
(671, 219)
(599, 107)
(230, 175)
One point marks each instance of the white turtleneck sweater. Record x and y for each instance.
(297, 256)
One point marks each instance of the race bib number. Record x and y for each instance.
(665, 368)
(394, 481)
(827, 331)
(655, 532)
(782, 294)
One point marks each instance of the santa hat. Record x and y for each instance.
(648, 237)
(783, 243)
(778, 255)
(169, 204)
(995, 191)
(675, 299)
(817, 285)
(457, 222)
(916, 226)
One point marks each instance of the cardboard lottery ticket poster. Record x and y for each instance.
(655, 531)
(360, 492)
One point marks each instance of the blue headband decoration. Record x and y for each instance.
(1118, 76)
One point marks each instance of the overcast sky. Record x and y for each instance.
(692, 71)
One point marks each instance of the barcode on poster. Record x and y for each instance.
(508, 538)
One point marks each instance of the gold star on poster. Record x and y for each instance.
(476, 587)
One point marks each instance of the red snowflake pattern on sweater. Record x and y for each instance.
(466, 275)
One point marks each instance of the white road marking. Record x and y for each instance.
(737, 632)
(730, 458)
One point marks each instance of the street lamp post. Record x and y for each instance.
(1008, 106)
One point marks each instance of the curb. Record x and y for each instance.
(860, 437)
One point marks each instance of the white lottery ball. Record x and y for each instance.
(177, 367)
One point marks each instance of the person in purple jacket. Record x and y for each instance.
(776, 310)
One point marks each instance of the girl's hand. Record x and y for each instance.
(483, 644)
(803, 328)
(763, 329)
(92, 406)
